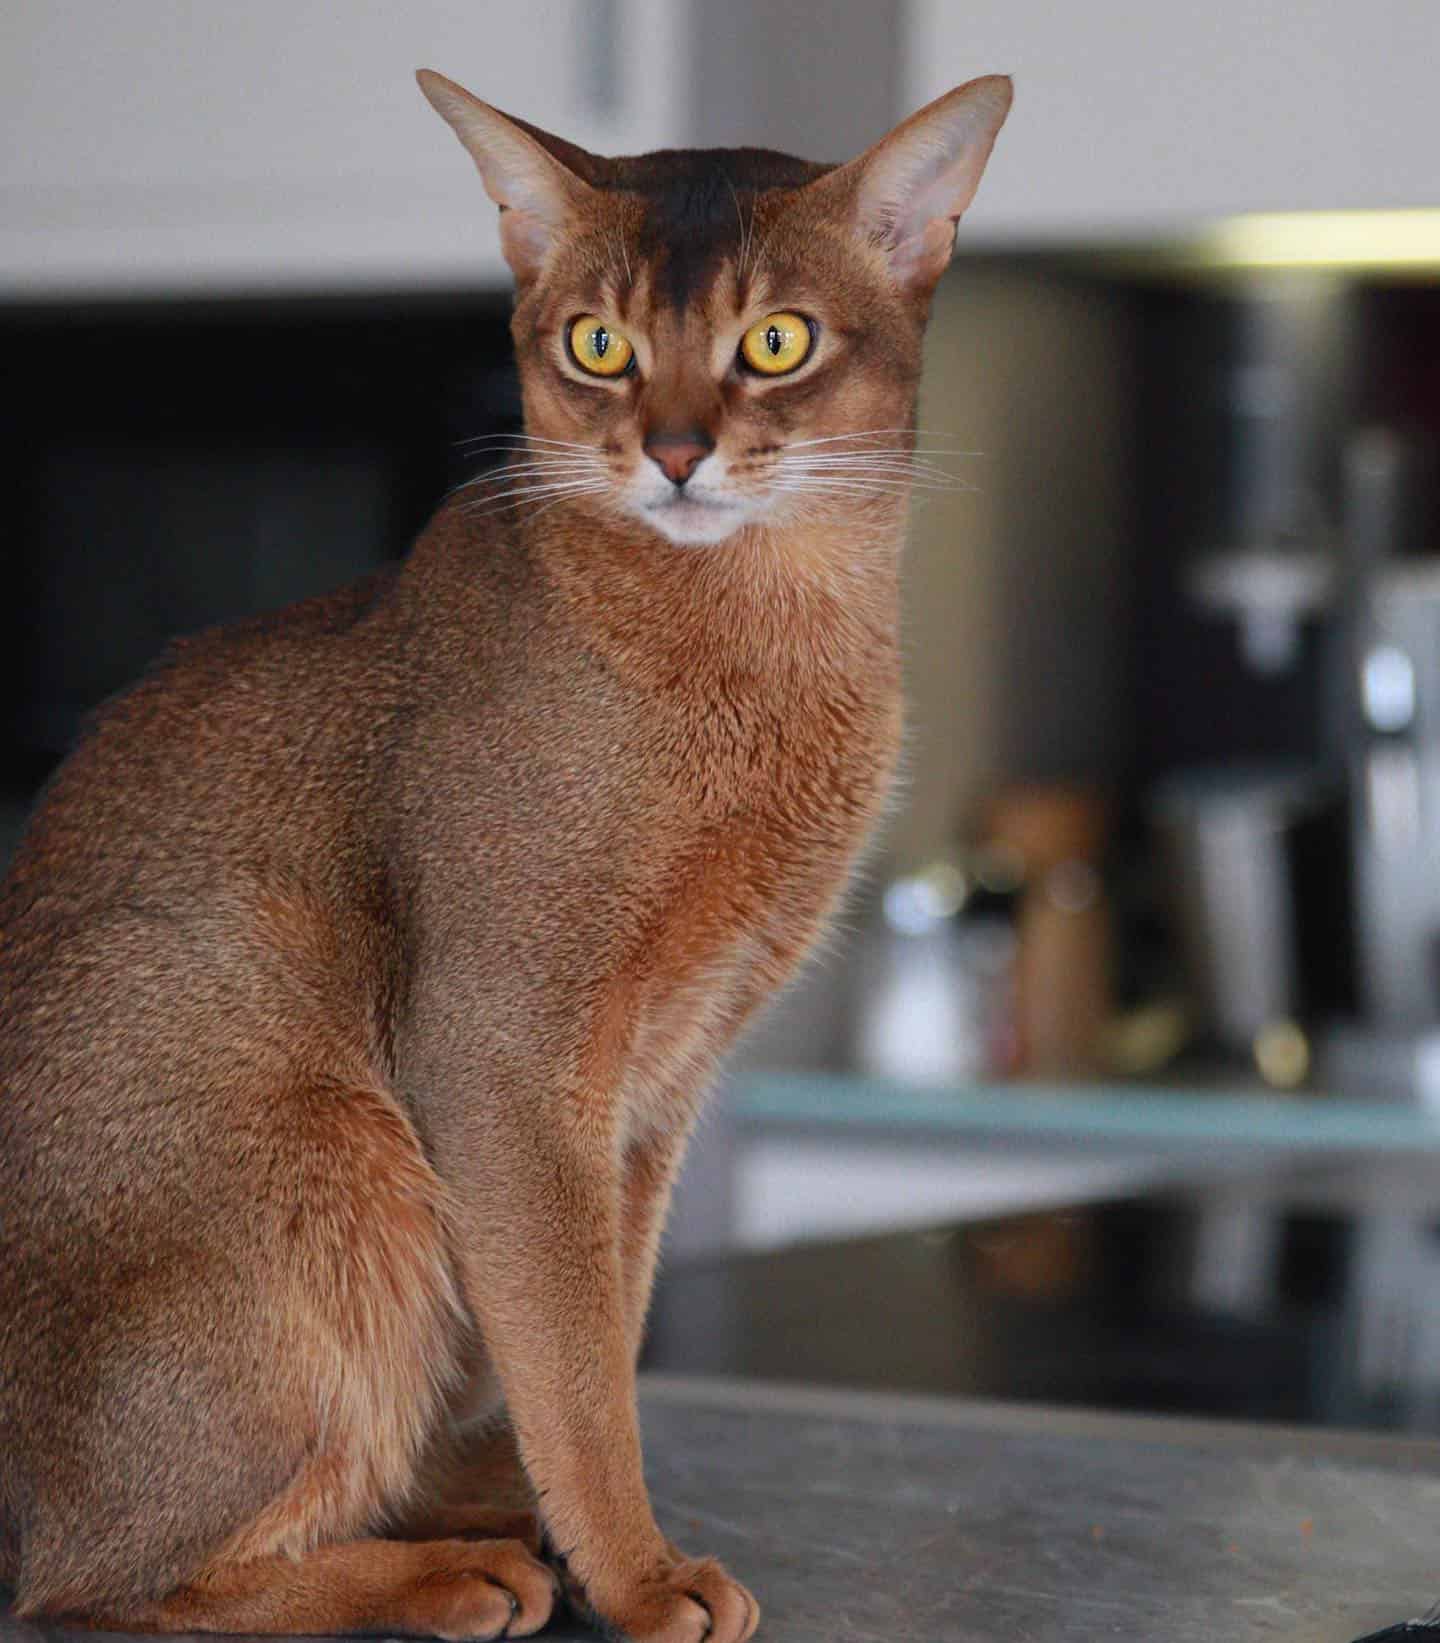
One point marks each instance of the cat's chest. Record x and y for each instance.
(788, 764)
(754, 878)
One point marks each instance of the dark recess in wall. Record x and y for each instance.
(183, 464)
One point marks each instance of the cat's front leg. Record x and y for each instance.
(542, 1235)
(652, 1164)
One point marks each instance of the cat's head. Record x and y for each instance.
(710, 339)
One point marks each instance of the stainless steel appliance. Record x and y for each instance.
(1391, 706)
(1231, 841)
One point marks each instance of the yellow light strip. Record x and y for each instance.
(1325, 239)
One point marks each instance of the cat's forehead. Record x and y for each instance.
(693, 211)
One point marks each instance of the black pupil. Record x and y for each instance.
(600, 341)
(774, 339)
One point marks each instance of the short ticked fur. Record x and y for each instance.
(364, 967)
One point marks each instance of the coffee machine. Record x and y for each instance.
(1354, 559)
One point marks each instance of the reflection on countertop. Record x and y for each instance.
(1231, 1301)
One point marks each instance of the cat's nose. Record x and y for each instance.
(679, 454)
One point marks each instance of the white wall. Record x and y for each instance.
(1141, 114)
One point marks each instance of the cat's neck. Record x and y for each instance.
(764, 603)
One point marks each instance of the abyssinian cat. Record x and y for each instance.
(364, 966)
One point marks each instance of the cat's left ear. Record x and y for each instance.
(536, 192)
(911, 188)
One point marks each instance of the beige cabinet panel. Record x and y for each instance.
(1133, 115)
(181, 144)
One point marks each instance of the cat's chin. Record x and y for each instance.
(691, 523)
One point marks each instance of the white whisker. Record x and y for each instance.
(915, 481)
(902, 481)
(492, 504)
(561, 466)
(889, 486)
(872, 459)
(873, 451)
(854, 487)
(543, 458)
(519, 482)
(534, 493)
(890, 467)
(618, 239)
(555, 504)
(550, 469)
(877, 433)
(759, 257)
(744, 236)
(525, 441)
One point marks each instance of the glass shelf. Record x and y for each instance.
(1114, 1114)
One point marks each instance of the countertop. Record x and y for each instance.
(877, 1519)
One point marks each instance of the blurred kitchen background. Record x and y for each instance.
(1121, 1081)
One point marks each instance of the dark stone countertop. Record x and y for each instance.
(864, 1518)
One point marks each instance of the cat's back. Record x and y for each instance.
(200, 858)
(231, 810)
(223, 752)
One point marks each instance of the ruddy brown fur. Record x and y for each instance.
(365, 966)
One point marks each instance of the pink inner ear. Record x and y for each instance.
(916, 184)
(536, 193)
(923, 256)
(525, 238)
(927, 182)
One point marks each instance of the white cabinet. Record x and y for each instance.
(193, 145)
(178, 145)
(1137, 117)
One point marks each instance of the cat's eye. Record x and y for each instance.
(777, 344)
(600, 348)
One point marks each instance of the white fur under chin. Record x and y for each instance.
(695, 524)
(705, 512)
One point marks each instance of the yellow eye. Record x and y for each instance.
(599, 347)
(777, 344)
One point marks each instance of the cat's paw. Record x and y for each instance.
(692, 1601)
(478, 1590)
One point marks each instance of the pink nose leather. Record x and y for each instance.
(678, 455)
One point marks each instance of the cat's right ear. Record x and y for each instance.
(536, 194)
